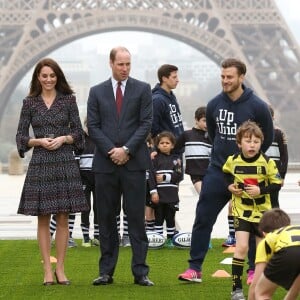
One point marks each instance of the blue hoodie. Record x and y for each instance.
(224, 116)
(166, 113)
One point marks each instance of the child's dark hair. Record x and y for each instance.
(149, 139)
(166, 134)
(249, 128)
(274, 219)
(200, 113)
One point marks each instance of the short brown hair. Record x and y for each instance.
(249, 128)
(165, 71)
(236, 63)
(200, 112)
(274, 219)
(114, 51)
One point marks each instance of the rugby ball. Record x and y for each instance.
(182, 239)
(156, 240)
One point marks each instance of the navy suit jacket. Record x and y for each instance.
(130, 129)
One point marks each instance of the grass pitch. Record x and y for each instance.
(21, 275)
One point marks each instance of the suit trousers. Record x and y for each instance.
(131, 185)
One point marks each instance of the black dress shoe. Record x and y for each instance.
(103, 280)
(64, 282)
(143, 280)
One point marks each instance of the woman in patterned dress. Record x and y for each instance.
(52, 184)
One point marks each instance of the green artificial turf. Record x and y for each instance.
(21, 275)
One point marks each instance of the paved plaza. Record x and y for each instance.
(14, 226)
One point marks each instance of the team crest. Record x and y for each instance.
(236, 222)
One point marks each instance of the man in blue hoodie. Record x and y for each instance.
(166, 111)
(224, 114)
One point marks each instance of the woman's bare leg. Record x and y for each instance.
(61, 243)
(43, 235)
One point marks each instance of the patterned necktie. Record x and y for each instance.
(119, 97)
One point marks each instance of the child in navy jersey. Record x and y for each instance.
(88, 181)
(278, 151)
(149, 208)
(197, 148)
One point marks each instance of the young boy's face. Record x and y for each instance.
(250, 145)
(201, 123)
(165, 145)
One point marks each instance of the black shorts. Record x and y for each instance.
(243, 225)
(196, 178)
(284, 266)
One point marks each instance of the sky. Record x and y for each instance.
(290, 10)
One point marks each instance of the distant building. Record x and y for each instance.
(78, 75)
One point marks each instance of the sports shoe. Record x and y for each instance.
(230, 242)
(169, 243)
(86, 243)
(95, 242)
(250, 276)
(190, 275)
(237, 295)
(71, 243)
(126, 241)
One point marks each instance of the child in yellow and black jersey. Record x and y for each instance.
(250, 177)
(277, 260)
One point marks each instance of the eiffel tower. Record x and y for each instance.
(253, 31)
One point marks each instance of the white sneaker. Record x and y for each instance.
(86, 244)
(71, 243)
(126, 241)
(237, 295)
(95, 242)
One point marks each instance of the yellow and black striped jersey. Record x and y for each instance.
(261, 171)
(274, 241)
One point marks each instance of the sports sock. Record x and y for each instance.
(150, 225)
(125, 225)
(237, 273)
(231, 226)
(71, 224)
(85, 232)
(52, 225)
(96, 231)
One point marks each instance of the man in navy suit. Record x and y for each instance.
(120, 162)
